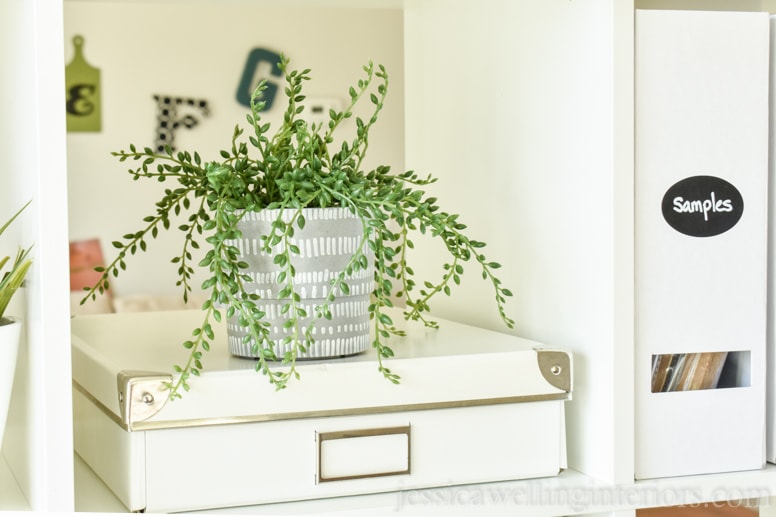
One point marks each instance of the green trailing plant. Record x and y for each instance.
(13, 278)
(297, 166)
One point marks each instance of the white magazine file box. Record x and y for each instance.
(473, 406)
(701, 187)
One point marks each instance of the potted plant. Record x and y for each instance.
(252, 207)
(10, 327)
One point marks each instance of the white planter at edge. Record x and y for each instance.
(10, 332)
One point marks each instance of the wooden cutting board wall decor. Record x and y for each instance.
(82, 92)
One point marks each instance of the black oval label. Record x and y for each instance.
(702, 206)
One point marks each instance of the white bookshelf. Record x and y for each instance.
(571, 493)
(38, 436)
(536, 95)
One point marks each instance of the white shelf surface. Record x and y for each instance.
(11, 496)
(570, 493)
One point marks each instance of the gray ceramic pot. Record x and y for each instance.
(327, 242)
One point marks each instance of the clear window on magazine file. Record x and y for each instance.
(700, 371)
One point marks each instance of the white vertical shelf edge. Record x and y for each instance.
(623, 239)
(34, 147)
(49, 329)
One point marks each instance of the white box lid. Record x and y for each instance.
(122, 360)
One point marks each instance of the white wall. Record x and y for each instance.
(199, 50)
(532, 172)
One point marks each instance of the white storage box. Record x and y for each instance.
(701, 237)
(473, 406)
